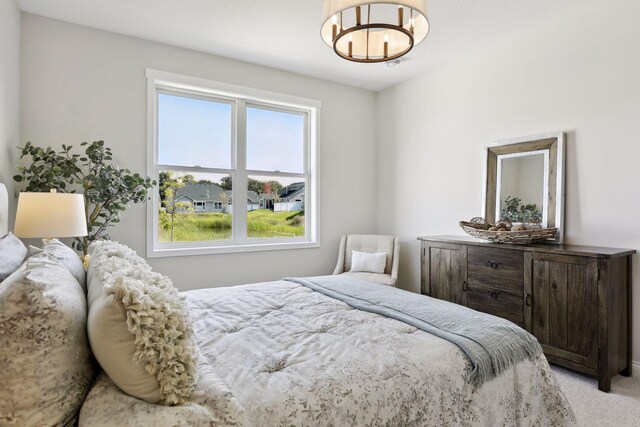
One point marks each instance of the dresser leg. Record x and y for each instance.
(604, 382)
(627, 371)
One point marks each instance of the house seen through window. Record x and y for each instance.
(232, 171)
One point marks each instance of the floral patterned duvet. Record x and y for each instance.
(278, 353)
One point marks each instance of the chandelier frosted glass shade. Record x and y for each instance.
(374, 30)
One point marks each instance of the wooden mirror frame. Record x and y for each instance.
(554, 144)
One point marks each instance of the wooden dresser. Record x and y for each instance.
(576, 300)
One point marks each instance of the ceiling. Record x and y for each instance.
(285, 34)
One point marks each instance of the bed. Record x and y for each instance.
(273, 353)
(279, 353)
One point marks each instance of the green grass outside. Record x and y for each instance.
(261, 223)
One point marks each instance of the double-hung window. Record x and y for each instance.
(236, 168)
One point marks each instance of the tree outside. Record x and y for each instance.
(172, 213)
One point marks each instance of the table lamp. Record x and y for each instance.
(50, 215)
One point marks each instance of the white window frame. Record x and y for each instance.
(240, 97)
(196, 205)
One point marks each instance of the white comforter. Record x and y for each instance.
(278, 353)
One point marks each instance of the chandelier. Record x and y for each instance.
(374, 30)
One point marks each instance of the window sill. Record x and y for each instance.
(175, 251)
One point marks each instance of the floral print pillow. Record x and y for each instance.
(46, 364)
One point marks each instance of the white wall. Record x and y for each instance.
(580, 75)
(83, 84)
(9, 95)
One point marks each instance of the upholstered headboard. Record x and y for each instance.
(4, 210)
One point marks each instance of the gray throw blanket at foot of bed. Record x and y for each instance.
(492, 344)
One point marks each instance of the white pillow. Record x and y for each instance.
(12, 253)
(368, 262)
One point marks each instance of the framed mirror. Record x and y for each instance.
(524, 181)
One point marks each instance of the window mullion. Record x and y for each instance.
(240, 180)
(193, 169)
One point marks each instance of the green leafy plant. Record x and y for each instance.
(172, 213)
(515, 211)
(108, 189)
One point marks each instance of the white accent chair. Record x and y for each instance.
(370, 243)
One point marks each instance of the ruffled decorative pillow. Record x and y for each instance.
(139, 327)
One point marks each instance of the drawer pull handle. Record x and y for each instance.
(494, 264)
(464, 286)
(494, 294)
(527, 299)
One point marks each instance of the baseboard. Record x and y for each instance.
(635, 369)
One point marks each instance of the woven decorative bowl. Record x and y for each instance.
(522, 237)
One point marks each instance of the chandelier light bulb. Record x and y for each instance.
(386, 46)
(334, 28)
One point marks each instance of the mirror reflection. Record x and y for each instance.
(522, 188)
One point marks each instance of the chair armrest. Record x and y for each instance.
(340, 264)
(396, 259)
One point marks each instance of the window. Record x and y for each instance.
(237, 168)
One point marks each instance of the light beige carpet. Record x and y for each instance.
(620, 407)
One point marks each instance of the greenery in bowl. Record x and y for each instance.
(515, 211)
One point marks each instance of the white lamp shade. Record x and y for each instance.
(50, 215)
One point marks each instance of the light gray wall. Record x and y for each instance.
(84, 84)
(579, 75)
(9, 95)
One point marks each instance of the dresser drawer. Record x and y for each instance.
(508, 305)
(496, 258)
(497, 268)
